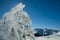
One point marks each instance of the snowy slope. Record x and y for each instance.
(50, 37)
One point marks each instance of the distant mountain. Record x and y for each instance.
(44, 32)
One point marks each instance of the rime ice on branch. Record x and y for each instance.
(16, 25)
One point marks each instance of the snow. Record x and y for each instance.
(58, 33)
(16, 25)
(50, 37)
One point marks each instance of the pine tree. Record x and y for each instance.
(16, 25)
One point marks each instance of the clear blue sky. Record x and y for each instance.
(43, 13)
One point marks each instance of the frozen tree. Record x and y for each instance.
(16, 25)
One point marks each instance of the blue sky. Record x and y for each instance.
(43, 13)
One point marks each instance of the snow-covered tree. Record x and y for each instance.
(16, 25)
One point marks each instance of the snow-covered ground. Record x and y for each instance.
(50, 37)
